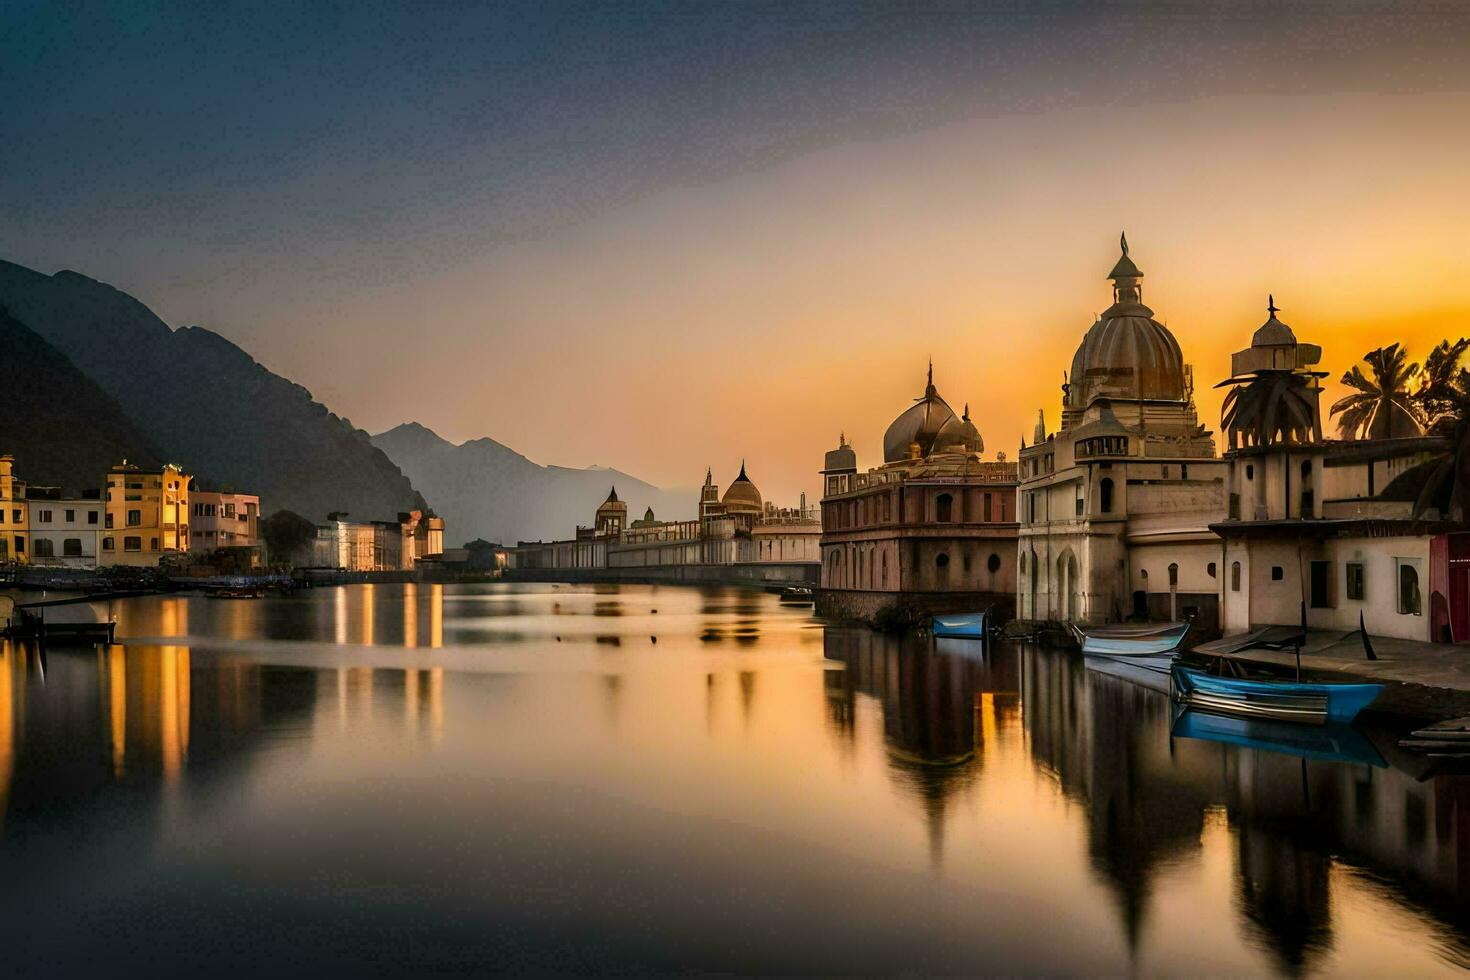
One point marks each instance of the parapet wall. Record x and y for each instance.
(805, 573)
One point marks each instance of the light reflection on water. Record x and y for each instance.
(589, 778)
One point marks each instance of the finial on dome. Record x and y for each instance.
(966, 416)
(1125, 269)
(1271, 307)
(1123, 241)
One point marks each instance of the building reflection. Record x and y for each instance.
(931, 701)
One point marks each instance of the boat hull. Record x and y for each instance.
(1132, 641)
(1315, 704)
(967, 627)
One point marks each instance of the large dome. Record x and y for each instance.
(920, 423)
(742, 496)
(1127, 354)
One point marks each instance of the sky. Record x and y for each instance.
(665, 236)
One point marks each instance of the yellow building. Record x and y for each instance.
(14, 516)
(147, 515)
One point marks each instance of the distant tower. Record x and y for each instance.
(709, 495)
(839, 467)
(1038, 435)
(612, 515)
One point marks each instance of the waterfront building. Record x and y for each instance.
(377, 546)
(932, 529)
(223, 519)
(1116, 505)
(14, 513)
(736, 528)
(145, 516)
(1324, 529)
(65, 528)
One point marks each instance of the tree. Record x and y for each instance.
(1443, 399)
(1381, 406)
(1442, 382)
(286, 533)
(1273, 407)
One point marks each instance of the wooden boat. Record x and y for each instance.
(797, 595)
(1132, 640)
(237, 592)
(1333, 741)
(964, 626)
(1313, 704)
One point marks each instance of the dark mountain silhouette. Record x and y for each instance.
(62, 429)
(482, 488)
(206, 403)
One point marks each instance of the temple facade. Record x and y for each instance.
(1116, 504)
(932, 529)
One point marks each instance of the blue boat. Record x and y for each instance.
(967, 626)
(1313, 704)
(1333, 741)
(1142, 640)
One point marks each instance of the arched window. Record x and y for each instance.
(1210, 569)
(1105, 495)
(885, 569)
(1173, 575)
(1410, 602)
(993, 563)
(1235, 576)
(943, 507)
(941, 560)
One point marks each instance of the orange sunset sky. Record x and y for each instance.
(654, 243)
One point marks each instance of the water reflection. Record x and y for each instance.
(892, 800)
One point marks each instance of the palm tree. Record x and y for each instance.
(1443, 399)
(1273, 407)
(1381, 406)
(1442, 382)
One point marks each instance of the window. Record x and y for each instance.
(1210, 569)
(153, 544)
(135, 518)
(92, 517)
(987, 508)
(941, 560)
(71, 517)
(43, 516)
(15, 516)
(20, 545)
(132, 544)
(1166, 470)
(109, 519)
(106, 544)
(72, 547)
(1173, 575)
(1355, 580)
(1250, 472)
(943, 506)
(1235, 576)
(1183, 471)
(44, 548)
(966, 562)
(1277, 573)
(1105, 495)
(1410, 603)
(1079, 501)
(993, 563)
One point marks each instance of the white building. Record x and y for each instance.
(1116, 505)
(65, 529)
(223, 520)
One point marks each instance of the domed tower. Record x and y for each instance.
(1127, 355)
(612, 515)
(915, 432)
(1274, 395)
(839, 466)
(959, 435)
(742, 497)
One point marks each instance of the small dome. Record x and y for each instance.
(1127, 353)
(840, 459)
(919, 423)
(612, 505)
(1272, 333)
(742, 496)
(959, 434)
(648, 515)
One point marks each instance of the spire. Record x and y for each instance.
(929, 390)
(966, 416)
(742, 475)
(1125, 269)
(1271, 306)
(709, 476)
(612, 496)
(1038, 434)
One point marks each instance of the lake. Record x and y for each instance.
(539, 778)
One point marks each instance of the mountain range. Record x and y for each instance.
(92, 376)
(493, 492)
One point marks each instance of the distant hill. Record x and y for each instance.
(206, 403)
(61, 428)
(484, 489)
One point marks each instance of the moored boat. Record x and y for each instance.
(971, 626)
(1297, 701)
(796, 595)
(1130, 640)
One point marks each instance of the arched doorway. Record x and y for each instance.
(1069, 587)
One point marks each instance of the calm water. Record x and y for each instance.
(417, 778)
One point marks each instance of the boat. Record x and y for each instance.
(1132, 640)
(796, 595)
(236, 592)
(1333, 741)
(1297, 701)
(964, 626)
(67, 625)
